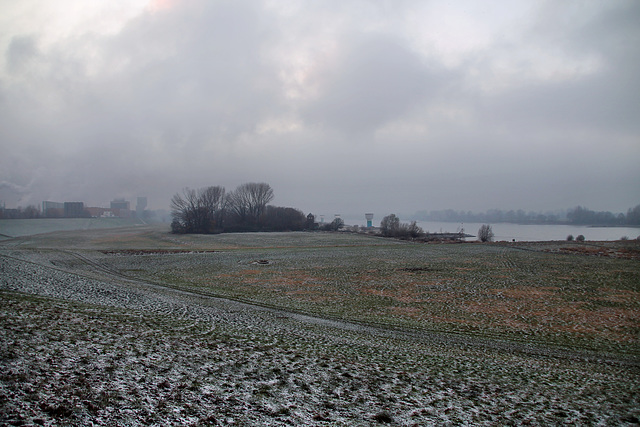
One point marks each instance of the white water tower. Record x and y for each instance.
(369, 217)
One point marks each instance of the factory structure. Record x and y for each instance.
(119, 208)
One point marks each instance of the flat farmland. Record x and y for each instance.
(548, 292)
(138, 326)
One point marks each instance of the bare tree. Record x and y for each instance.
(412, 229)
(213, 201)
(485, 233)
(248, 202)
(197, 211)
(334, 225)
(183, 210)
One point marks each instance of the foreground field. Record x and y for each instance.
(126, 327)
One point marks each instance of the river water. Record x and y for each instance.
(520, 232)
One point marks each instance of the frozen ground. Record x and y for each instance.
(83, 345)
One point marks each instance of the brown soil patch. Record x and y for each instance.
(154, 251)
(603, 251)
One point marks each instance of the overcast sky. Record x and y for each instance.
(341, 106)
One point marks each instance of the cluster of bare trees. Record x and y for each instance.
(198, 211)
(390, 226)
(30, 212)
(249, 201)
(213, 210)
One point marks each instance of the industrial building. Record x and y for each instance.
(120, 208)
(74, 210)
(52, 209)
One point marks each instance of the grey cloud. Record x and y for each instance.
(607, 97)
(171, 85)
(377, 80)
(13, 187)
(21, 50)
(204, 73)
(176, 98)
(591, 103)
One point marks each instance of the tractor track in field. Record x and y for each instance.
(99, 284)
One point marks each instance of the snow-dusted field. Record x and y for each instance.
(127, 327)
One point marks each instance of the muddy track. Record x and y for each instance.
(99, 284)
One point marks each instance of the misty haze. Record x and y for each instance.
(341, 108)
(281, 212)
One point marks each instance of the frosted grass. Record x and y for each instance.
(95, 332)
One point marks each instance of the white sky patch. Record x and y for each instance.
(544, 63)
(512, 68)
(52, 23)
(279, 125)
(306, 47)
(490, 41)
(55, 21)
(450, 31)
(428, 124)
(300, 64)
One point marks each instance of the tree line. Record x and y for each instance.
(214, 210)
(578, 216)
(584, 216)
(30, 212)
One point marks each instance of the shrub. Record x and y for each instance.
(580, 238)
(485, 233)
(390, 226)
(334, 225)
(570, 238)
